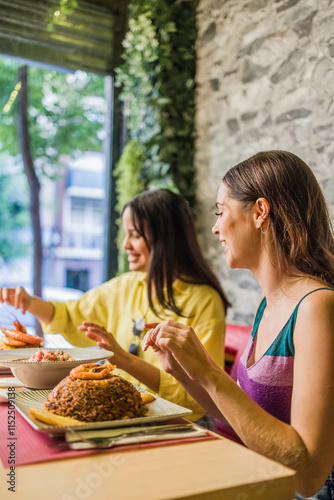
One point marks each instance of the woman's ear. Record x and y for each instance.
(262, 211)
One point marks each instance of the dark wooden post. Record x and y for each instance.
(34, 185)
(115, 141)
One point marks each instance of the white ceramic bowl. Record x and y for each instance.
(46, 375)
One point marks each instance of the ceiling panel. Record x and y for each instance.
(71, 34)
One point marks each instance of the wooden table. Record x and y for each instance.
(208, 470)
(218, 469)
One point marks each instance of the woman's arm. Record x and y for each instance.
(307, 444)
(313, 389)
(253, 424)
(20, 299)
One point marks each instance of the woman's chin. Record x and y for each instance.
(231, 263)
(135, 266)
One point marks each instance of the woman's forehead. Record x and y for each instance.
(127, 214)
(222, 195)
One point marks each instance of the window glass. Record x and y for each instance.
(66, 117)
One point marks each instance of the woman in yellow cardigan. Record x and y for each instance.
(168, 279)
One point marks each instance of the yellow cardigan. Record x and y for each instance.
(118, 302)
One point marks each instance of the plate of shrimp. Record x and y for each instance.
(18, 337)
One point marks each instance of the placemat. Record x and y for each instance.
(22, 445)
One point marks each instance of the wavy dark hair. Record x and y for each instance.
(299, 219)
(165, 221)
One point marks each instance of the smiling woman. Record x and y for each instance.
(134, 244)
(235, 230)
(272, 220)
(169, 279)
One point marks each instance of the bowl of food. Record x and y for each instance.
(40, 368)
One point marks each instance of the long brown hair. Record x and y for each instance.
(299, 219)
(165, 221)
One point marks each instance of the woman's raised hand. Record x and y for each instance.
(178, 349)
(103, 338)
(16, 297)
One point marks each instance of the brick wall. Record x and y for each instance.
(265, 80)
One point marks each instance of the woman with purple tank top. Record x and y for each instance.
(273, 220)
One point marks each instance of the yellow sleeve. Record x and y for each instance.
(92, 306)
(112, 305)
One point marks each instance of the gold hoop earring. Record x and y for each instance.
(264, 232)
(264, 218)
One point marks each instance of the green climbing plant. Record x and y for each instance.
(157, 82)
(129, 183)
(158, 90)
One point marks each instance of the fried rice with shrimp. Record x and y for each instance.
(95, 395)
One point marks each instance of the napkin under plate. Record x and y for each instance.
(75, 443)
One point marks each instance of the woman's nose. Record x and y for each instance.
(126, 243)
(215, 229)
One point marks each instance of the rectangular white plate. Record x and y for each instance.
(158, 411)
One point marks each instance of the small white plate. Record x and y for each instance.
(46, 375)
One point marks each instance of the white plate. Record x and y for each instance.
(158, 411)
(46, 375)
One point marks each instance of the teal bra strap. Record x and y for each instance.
(262, 306)
(283, 344)
(294, 314)
(289, 328)
(258, 316)
(309, 293)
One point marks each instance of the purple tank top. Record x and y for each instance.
(269, 381)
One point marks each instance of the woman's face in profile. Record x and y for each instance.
(134, 245)
(237, 231)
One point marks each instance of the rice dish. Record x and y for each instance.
(95, 399)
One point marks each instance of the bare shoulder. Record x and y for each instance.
(318, 301)
(316, 318)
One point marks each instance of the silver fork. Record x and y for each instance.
(109, 442)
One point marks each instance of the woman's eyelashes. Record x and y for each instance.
(134, 234)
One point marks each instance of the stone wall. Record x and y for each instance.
(265, 80)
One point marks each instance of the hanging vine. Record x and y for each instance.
(158, 90)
